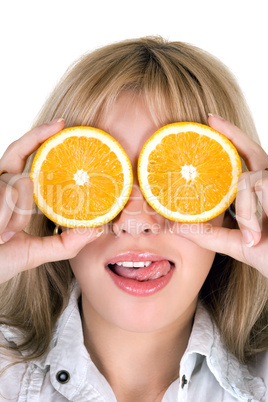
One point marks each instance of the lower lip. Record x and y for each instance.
(138, 288)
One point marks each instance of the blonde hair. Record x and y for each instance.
(180, 83)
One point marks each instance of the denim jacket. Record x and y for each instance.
(208, 372)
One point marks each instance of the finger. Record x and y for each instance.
(8, 199)
(253, 154)
(218, 239)
(64, 246)
(24, 251)
(22, 210)
(246, 208)
(14, 158)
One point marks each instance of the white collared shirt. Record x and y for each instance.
(208, 372)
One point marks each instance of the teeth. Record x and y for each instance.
(131, 264)
(147, 263)
(140, 264)
(128, 264)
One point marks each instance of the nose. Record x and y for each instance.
(138, 217)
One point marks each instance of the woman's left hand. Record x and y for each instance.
(249, 243)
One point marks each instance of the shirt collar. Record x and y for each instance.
(233, 376)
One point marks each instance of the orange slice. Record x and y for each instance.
(82, 177)
(188, 172)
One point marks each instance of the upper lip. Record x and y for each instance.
(136, 257)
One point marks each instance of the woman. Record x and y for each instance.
(74, 334)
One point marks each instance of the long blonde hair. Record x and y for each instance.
(180, 83)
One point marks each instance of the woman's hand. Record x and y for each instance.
(249, 243)
(20, 251)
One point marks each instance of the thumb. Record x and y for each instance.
(218, 239)
(62, 247)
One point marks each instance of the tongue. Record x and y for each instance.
(153, 271)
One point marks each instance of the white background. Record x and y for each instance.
(40, 39)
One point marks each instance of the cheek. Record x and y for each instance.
(195, 265)
(85, 265)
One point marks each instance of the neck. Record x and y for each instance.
(138, 366)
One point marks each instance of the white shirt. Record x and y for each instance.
(208, 372)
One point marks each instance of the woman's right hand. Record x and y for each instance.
(20, 251)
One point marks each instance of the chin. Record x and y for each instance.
(148, 314)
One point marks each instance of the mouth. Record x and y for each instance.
(140, 274)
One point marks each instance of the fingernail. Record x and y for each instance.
(216, 115)
(248, 238)
(6, 236)
(55, 121)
